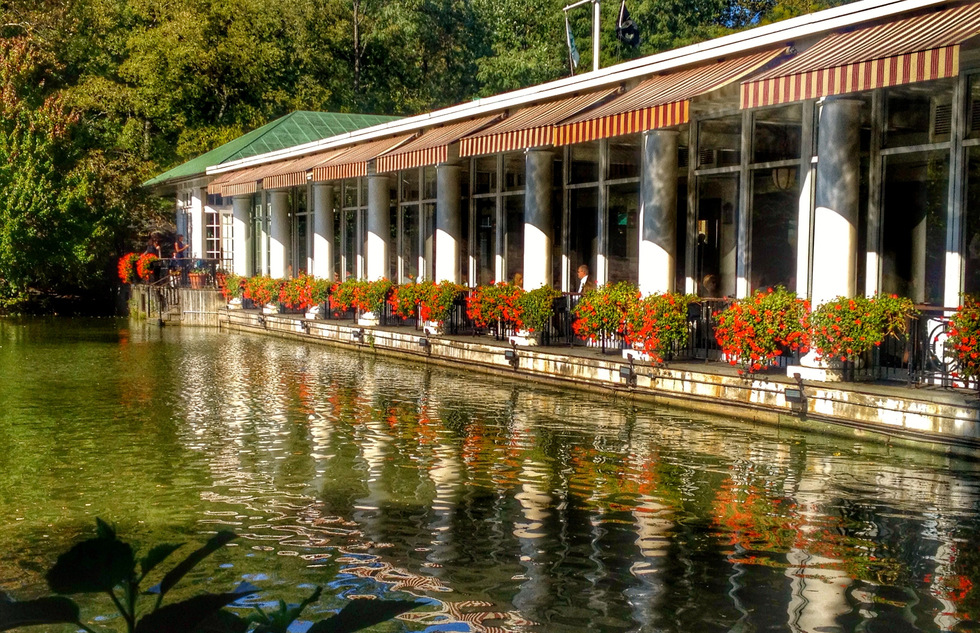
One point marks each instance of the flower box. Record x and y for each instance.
(235, 304)
(525, 338)
(369, 319)
(197, 280)
(433, 328)
(270, 308)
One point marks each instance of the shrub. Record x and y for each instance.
(436, 300)
(537, 307)
(488, 305)
(753, 332)
(313, 291)
(371, 295)
(290, 292)
(602, 312)
(262, 290)
(404, 299)
(846, 328)
(658, 324)
(964, 338)
(234, 287)
(127, 267)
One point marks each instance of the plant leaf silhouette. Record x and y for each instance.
(157, 555)
(173, 576)
(358, 615)
(53, 610)
(94, 565)
(187, 614)
(223, 622)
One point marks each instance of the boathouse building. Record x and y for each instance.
(836, 153)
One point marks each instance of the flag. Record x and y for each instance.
(572, 51)
(626, 29)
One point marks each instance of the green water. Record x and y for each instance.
(506, 506)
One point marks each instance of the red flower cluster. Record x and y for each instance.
(845, 328)
(964, 337)
(602, 312)
(658, 324)
(127, 267)
(143, 265)
(487, 305)
(753, 332)
(262, 290)
(366, 296)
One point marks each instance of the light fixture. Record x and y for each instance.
(512, 357)
(628, 374)
(424, 344)
(796, 397)
(784, 177)
(358, 335)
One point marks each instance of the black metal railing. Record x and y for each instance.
(188, 273)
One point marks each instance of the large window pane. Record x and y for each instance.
(717, 228)
(429, 241)
(514, 235)
(584, 163)
(410, 185)
(914, 227)
(624, 157)
(621, 222)
(918, 113)
(350, 193)
(410, 242)
(777, 134)
(583, 247)
(429, 178)
(464, 240)
(350, 243)
(680, 259)
(486, 240)
(556, 245)
(775, 213)
(514, 166)
(720, 142)
(971, 259)
(338, 236)
(485, 175)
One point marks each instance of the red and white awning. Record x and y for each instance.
(529, 127)
(236, 183)
(919, 48)
(432, 147)
(658, 102)
(352, 162)
(294, 173)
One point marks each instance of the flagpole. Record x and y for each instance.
(595, 35)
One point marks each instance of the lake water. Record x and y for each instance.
(504, 505)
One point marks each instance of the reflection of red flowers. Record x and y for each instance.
(143, 265)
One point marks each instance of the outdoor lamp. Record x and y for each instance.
(358, 335)
(424, 343)
(511, 356)
(628, 374)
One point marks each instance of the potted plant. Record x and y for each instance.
(233, 290)
(404, 299)
(495, 306)
(536, 309)
(290, 294)
(370, 299)
(198, 276)
(964, 339)
(127, 267)
(314, 294)
(844, 329)
(144, 265)
(601, 313)
(656, 325)
(263, 290)
(754, 332)
(436, 302)
(343, 296)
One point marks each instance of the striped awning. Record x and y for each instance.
(293, 173)
(352, 162)
(529, 127)
(236, 183)
(915, 49)
(658, 102)
(432, 147)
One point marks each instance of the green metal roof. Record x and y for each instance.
(296, 128)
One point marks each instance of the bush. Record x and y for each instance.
(537, 307)
(602, 312)
(344, 295)
(753, 332)
(366, 296)
(404, 299)
(262, 290)
(436, 300)
(234, 287)
(144, 265)
(846, 328)
(488, 305)
(658, 324)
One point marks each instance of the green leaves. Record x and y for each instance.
(358, 615)
(55, 610)
(95, 565)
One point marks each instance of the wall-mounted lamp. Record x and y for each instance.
(784, 177)
(512, 357)
(628, 374)
(262, 321)
(796, 396)
(305, 325)
(357, 335)
(426, 345)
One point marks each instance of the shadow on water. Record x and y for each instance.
(508, 506)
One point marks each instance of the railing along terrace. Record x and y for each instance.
(188, 273)
(459, 322)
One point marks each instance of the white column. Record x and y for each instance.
(198, 199)
(835, 220)
(539, 167)
(448, 223)
(378, 227)
(658, 212)
(323, 237)
(279, 234)
(241, 260)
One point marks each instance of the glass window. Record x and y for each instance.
(775, 219)
(486, 240)
(621, 222)
(583, 163)
(428, 234)
(625, 157)
(514, 171)
(914, 225)
(556, 220)
(429, 177)
(350, 243)
(212, 236)
(720, 142)
(919, 113)
(302, 236)
(971, 259)
(973, 116)
(680, 257)
(485, 175)
(777, 134)
(583, 238)
(338, 228)
(464, 241)
(717, 228)
(514, 235)
(350, 194)
(393, 235)
(410, 242)
(410, 185)
(364, 191)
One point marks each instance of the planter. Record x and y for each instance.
(197, 280)
(636, 354)
(235, 304)
(369, 319)
(433, 328)
(312, 313)
(525, 338)
(270, 308)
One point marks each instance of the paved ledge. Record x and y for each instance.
(931, 418)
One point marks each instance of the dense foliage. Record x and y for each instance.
(658, 324)
(964, 338)
(100, 95)
(601, 313)
(846, 328)
(755, 331)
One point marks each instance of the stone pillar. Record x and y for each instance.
(196, 238)
(241, 257)
(323, 237)
(378, 227)
(835, 242)
(539, 168)
(279, 234)
(448, 223)
(658, 212)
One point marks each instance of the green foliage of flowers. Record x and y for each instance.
(602, 312)
(262, 290)
(846, 328)
(234, 287)
(753, 332)
(488, 305)
(404, 299)
(366, 296)
(964, 337)
(344, 295)
(537, 307)
(436, 300)
(658, 323)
